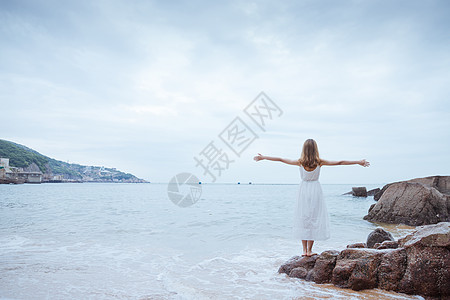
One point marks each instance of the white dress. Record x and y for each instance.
(311, 221)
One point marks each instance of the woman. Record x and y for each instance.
(311, 221)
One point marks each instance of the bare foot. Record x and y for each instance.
(312, 254)
(304, 254)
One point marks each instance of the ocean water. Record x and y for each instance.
(129, 241)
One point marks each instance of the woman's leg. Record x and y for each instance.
(309, 245)
(305, 249)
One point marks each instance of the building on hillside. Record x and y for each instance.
(18, 175)
(4, 162)
(31, 177)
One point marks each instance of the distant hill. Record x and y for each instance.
(23, 157)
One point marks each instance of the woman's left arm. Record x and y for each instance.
(361, 162)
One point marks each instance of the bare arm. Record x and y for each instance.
(283, 160)
(362, 162)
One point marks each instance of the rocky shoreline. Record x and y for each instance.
(418, 264)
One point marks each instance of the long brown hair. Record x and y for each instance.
(310, 155)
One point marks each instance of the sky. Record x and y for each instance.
(146, 86)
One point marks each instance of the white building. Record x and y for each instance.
(4, 162)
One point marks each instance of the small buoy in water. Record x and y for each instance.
(239, 183)
(250, 182)
(199, 182)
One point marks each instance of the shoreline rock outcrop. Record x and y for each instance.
(415, 202)
(417, 264)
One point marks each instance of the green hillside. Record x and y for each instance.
(22, 157)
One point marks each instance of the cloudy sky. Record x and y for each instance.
(145, 86)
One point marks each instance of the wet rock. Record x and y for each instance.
(391, 269)
(419, 266)
(414, 202)
(356, 269)
(292, 263)
(359, 191)
(305, 265)
(429, 235)
(357, 245)
(386, 245)
(427, 272)
(306, 262)
(428, 254)
(298, 272)
(379, 235)
(323, 268)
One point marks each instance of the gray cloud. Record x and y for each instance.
(144, 86)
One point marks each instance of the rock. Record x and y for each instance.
(391, 269)
(306, 262)
(287, 267)
(298, 272)
(428, 260)
(373, 192)
(429, 235)
(305, 265)
(356, 269)
(323, 268)
(33, 167)
(357, 245)
(359, 191)
(427, 272)
(419, 201)
(379, 235)
(386, 245)
(419, 266)
(442, 183)
(378, 195)
(368, 193)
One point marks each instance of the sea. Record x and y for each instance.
(130, 241)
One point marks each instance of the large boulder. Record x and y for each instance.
(428, 261)
(419, 266)
(414, 202)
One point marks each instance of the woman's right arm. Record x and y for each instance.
(272, 158)
(362, 162)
